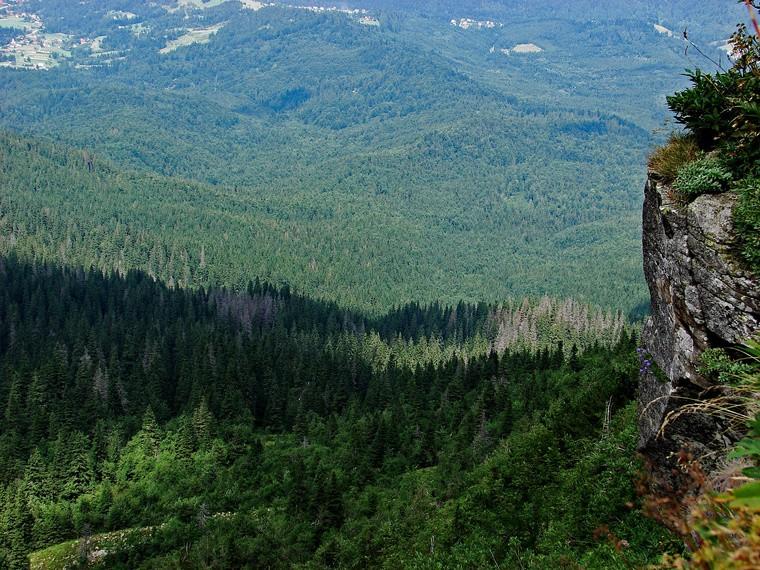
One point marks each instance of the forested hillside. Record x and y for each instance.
(256, 430)
(390, 155)
(360, 286)
(75, 207)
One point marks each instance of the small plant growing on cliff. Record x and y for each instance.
(716, 363)
(726, 526)
(680, 150)
(703, 176)
(747, 221)
(722, 110)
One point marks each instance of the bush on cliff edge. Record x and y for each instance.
(719, 150)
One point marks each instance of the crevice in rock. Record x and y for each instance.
(700, 299)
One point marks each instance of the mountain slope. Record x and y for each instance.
(404, 149)
(347, 248)
(388, 143)
(250, 430)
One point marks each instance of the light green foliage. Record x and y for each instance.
(748, 496)
(716, 363)
(728, 523)
(67, 554)
(337, 246)
(703, 176)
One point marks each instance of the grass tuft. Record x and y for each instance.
(681, 149)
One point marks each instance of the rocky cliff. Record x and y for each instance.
(701, 298)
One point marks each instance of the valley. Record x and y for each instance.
(379, 284)
(311, 113)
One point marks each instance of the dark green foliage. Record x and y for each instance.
(722, 110)
(702, 108)
(8, 34)
(319, 459)
(702, 176)
(747, 220)
(162, 406)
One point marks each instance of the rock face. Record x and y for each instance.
(701, 298)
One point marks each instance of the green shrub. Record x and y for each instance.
(718, 365)
(680, 150)
(747, 221)
(722, 110)
(702, 107)
(727, 524)
(706, 175)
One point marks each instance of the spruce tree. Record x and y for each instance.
(202, 424)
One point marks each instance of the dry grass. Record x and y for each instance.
(737, 403)
(723, 531)
(729, 538)
(666, 160)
